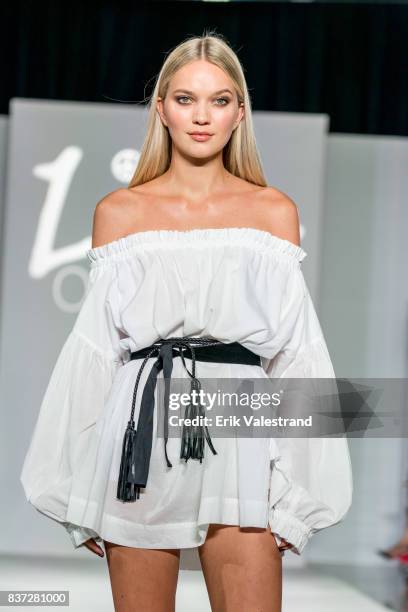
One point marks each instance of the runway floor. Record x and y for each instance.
(331, 588)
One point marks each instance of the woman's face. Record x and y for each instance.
(200, 98)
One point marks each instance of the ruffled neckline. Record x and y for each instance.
(259, 239)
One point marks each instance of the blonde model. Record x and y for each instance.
(195, 271)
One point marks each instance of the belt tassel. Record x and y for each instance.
(193, 436)
(127, 490)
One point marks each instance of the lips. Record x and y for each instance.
(200, 136)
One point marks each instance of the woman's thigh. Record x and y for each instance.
(242, 569)
(142, 579)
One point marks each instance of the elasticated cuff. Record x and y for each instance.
(79, 535)
(290, 528)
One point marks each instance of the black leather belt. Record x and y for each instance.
(137, 444)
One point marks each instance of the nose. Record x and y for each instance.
(201, 114)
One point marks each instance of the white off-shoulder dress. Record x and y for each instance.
(236, 285)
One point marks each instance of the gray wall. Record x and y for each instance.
(364, 312)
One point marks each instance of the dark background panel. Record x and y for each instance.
(346, 60)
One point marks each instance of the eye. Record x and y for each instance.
(226, 100)
(182, 98)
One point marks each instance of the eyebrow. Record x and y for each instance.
(192, 93)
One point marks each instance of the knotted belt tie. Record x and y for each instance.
(137, 444)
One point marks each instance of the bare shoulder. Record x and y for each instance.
(280, 214)
(110, 217)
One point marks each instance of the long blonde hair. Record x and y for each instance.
(240, 154)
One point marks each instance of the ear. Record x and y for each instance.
(241, 115)
(160, 110)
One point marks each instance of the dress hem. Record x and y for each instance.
(224, 511)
